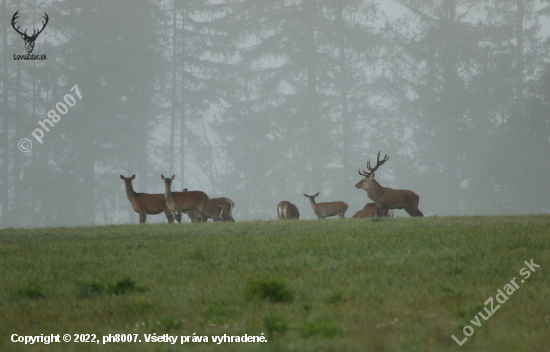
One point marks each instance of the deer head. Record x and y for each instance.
(128, 180)
(369, 181)
(168, 181)
(29, 40)
(312, 198)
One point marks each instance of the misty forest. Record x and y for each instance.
(264, 100)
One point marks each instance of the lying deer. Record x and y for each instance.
(145, 203)
(179, 202)
(287, 211)
(372, 210)
(387, 198)
(323, 210)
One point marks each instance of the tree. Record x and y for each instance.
(301, 64)
(517, 163)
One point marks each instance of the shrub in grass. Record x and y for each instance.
(274, 324)
(455, 271)
(139, 307)
(124, 286)
(469, 311)
(271, 290)
(169, 324)
(29, 291)
(86, 290)
(336, 297)
(320, 329)
(218, 312)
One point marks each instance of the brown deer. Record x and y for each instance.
(387, 198)
(145, 203)
(219, 209)
(372, 210)
(179, 202)
(323, 210)
(287, 211)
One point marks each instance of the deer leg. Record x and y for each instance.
(174, 217)
(216, 216)
(142, 218)
(341, 215)
(178, 216)
(169, 216)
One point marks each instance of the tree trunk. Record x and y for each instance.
(346, 123)
(4, 194)
(520, 14)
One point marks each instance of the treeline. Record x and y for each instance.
(263, 100)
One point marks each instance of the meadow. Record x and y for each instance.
(400, 284)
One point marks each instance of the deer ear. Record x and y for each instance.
(173, 177)
(372, 176)
(316, 194)
(162, 176)
(133, 176)
(305, 195)
(121, 177)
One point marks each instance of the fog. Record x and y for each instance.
(262, 101)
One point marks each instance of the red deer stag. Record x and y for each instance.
(372, 210)
(287, 211)
(387, 198)
(323, 210)
(145, 203)
(219, 209)
(179, 202)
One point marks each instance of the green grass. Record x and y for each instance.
(402, 284)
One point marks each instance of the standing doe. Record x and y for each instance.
(145, 203)
(323, 210)
(179, 202)
(287, 211)
(387, 198)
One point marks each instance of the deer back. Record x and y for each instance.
(329, 208)
(365, 213)
(292, 212)
(398, 198)
(186, 201)
(152, 203)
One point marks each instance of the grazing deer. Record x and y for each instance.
(372, 210)
(219, 209)
(387, 198)
(323, 210)
(145, 203)
(179, 202)
(287, 211)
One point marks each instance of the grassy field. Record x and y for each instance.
(402, 284)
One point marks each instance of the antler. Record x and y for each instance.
(378, 164)
(34, 33)
(13, 19)
(43, 26)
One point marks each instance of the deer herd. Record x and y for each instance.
(199, 207)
